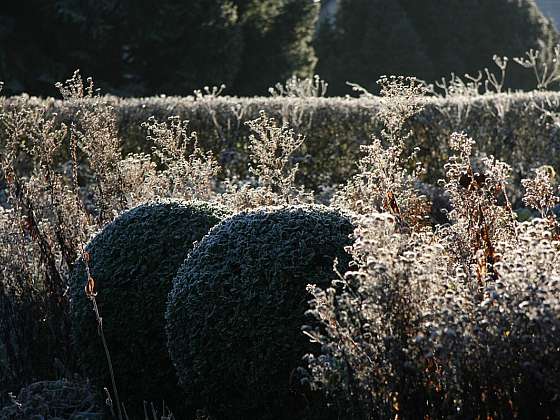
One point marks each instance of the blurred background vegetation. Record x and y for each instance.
(152, 47)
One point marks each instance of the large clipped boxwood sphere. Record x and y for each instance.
(238, 303)
(133, 261)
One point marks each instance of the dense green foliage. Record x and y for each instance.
(133, 261)
(277, 37)
(27, 57)
(370, 38)
(237, 305)
(177, 46)
(151, 47)
(511, 127)
(427, 39)
(132, 47)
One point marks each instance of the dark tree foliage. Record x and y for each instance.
(149, 47)
(133, 261)
(89, 38)
(178, 46)
(462, 36)
(235, 312)
(277, 38)
(43, 42)
(428, 39)
(142, 47)
(25, 44)
(369, 38)
(155, 47)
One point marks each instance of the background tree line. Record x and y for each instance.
(147, 47)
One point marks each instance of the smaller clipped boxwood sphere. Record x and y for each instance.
(133, 261)
(237, 306)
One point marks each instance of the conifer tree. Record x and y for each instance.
(428, 39)
(131, 47)
(177, 46)
(369, 38)
(463, 35)
(277, 37)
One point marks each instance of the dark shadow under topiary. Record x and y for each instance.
(237, 305)
(133, 261)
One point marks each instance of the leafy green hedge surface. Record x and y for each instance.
(515, 127)
(133, 261)
(235, 312)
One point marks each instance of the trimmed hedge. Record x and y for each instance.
(235, 312)
(509, 126)
(56, 400)
(133, 261)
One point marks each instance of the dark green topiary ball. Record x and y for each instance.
(235, 312)
(133, 261)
